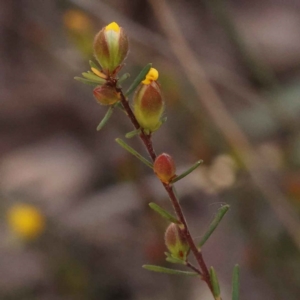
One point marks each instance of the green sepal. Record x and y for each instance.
(174, 260)
(106, 118)
(187, 172)
(215, 283)
(133, 133)
(138, 79)
(94, 65)
(135, 153)
(236, 282)
(87, 81)
(168, 271)
(164, 213)
(123, 77)
(214, 224)
(93, 77)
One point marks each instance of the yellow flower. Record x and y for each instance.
(26, 221)
(151, 76)
(113, 26)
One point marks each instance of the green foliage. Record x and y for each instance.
(106, 118)
(214, 224)
(236, 282)
(165, 214)
(215, 283)
(138, 79)
(187, 172)
(168, 271)
(133, 152)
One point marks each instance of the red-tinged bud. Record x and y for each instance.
(164, 167)
(111, 47)
(106, 95)
(176, 242)
(148, 104)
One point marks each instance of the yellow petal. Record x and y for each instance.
(113, 26)
(98, 73)
(151, 76)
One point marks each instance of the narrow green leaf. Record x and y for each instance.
(123, 77)
(138, 79)
(135, 153)
(187, 172)
(168, 271)
(93, 77)
(106, 118)
(94, 65)
(236, 282)
(133, 133)
(174, 260)
(214, 224)
(215, 283)
(86, 81)
(163, 213)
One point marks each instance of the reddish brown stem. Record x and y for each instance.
(170, 190)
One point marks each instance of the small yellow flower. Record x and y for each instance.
(151, 76)
(26, 221)
(113, 26)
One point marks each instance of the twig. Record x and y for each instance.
(171, 192)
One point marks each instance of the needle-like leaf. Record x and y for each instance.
(86, 81)
(138, 79)
(123, 77)
(236, 282)
(163, 213)
(93, 77)
(133, 133)
(168, 271)
(135, 153)
(214, 224)
(106, 118)
(215, 283)
(187, 172)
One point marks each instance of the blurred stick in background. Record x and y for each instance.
(260, 173)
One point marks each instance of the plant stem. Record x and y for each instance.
(171, 192)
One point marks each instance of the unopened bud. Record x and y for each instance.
(176, 242)
(164, 167)
(111, 47)
(148, 104)
(106, 95)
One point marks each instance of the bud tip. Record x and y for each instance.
(113, 26)
(151, 76)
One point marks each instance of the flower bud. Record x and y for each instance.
(176, 242)
(148, 104)
(164, 167)
(106, 95)
(111, 47)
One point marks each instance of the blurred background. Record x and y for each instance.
(74, 218)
